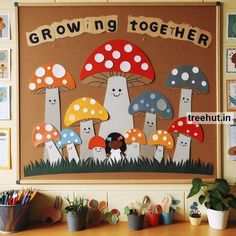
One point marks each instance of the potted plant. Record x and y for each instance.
(194, 214)
(136, 212)
(169, 207)
(76, 213)
(217, 198)
(153, 214)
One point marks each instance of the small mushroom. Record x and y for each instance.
(153, 105)
(45, 134)
(161, 139)
(69, 138)
(117, 63)
(133, 139)
(83, 112)
(232, 151)
(189, 79)
(97, 145)
(186, 130)
(115, 147)
(51, 78)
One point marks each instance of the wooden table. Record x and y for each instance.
(121, 229)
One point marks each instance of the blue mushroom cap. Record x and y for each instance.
(189, 77)
(152, 102)
(68, 136)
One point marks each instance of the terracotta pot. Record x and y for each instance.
(195, 220)
(153, 219)
(217, 219)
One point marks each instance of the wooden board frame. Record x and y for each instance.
(218, 100)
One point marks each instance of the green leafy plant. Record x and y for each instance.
(215, 196)
(76, 205)
(174, 206)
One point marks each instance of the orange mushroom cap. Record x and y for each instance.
(161, 137)
(96, 141)
(135, 135)
(51, 76)
(44, 133)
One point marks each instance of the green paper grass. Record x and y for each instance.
(141, 165)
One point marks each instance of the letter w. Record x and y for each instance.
(74, 27)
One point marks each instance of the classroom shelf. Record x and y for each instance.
(121, 229)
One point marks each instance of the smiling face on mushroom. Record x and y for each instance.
(187, 131)
(161, 139)
(116, 64)
(189, 79)
(133, 138)
(51, 78)
(153, 105)
(45, 134)
(84, 111)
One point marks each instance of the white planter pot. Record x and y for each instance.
(195, 221)
(217, 219)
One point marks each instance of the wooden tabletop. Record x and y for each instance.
(121, 229)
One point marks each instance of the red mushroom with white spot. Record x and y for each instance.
(117, 63)
(187, 131)
(50, 79)
(97, 144)
(45, 134)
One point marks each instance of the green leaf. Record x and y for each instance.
(197, 183)
(216, 204)
(223, 186)
(201, 199)
(216, 194)
(175, 202)
(232, 201)
(114, 219)
(127, 210)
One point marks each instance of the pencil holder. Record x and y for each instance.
(14, 218)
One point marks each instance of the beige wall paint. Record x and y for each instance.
(116, 195)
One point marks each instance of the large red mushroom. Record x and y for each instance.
(116, 64)
(187, 131)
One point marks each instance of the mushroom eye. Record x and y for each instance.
(50, 100)
(183, 98)
(185, 143)
(147, 122)
(120, 90)
(54, 100)
(152, 123)
(84, 129)
(181, 142)
(187, 99)
(88, 128)
(113, 90)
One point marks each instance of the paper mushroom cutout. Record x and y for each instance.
(69, 138)
(51, 79)
(97, 145)
(187, 131)
(189, 79)
(45, 134)
(116, 64)
(153, 105)
(133, 139)
(161, 139)
(84, 111)
(115, 147)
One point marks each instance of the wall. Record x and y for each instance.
(116, 195)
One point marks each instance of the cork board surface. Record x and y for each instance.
(165, 54)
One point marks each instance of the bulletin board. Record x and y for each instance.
(168, 56)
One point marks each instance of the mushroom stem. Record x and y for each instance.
(117, 104)
(185, 105)
(52, 111)
(99, 154)
(133, 151)
(182, 149)
(72, 152)
(149, 128)
(53, 153)
(86, 133)
(159, 154)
